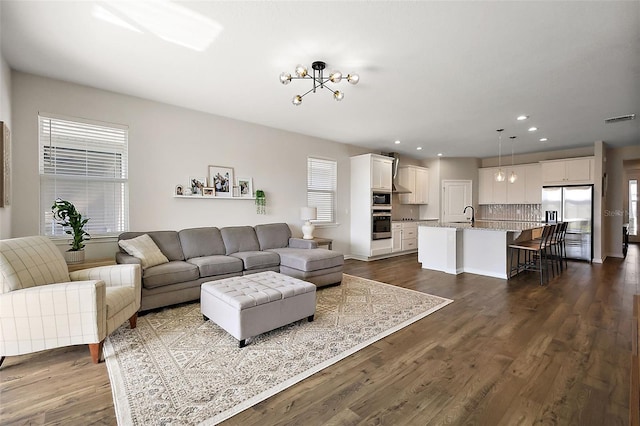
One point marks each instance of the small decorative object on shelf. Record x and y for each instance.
(261, 202)
(66, 214)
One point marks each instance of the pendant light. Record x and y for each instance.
(499, 175)
(513, 176)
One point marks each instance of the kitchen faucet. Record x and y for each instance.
(473, 214)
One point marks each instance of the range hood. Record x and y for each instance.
(396, 187)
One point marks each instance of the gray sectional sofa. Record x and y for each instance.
(198, 255)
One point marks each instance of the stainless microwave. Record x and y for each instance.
(381, 199)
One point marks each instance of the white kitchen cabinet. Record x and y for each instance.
(409, 236)
(533, 184)
(416, 180)
(527, 189)
(405, 236)
(489, 190)
(368, 172)
(381, 172)
(568, 171)
(396, 237)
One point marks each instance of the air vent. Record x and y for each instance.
(621, 118)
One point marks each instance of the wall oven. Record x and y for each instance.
(381, 200)
(381, 224)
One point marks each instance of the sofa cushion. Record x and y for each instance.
(176, 271)
(145, 249)
(257, 259)
(199, 242)
(240, 238)
(167, 241)
(309, 259)
(273, 235)
(216, 265)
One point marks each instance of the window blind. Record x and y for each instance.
(86, 164)
(322, 177)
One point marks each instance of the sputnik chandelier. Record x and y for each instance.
(319, 80)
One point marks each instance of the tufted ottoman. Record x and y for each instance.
(254, 304)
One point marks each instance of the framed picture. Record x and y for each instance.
(5, 165)
(246, 186)
(179, 190)
(208, 192)
(221, 179)
(197, 183)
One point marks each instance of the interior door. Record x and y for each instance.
(456, 195)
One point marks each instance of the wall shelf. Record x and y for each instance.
(200, 197)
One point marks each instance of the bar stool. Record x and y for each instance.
(536, 257)
(558, 244)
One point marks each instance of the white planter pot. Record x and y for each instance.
(72, 257)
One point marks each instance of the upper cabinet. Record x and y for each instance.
(526, 189)
(568, 171)
(381, 174)
(416, 180)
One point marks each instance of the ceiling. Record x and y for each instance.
(438, 75)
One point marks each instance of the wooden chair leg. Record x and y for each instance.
(1, 361)
(96, 351)
(133, 321)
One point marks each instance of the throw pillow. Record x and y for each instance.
(145, 249)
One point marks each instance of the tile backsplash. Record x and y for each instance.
(521, 212)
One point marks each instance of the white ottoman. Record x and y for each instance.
(254, 304)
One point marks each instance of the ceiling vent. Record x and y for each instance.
(621, 118)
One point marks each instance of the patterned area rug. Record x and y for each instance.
(177, 369)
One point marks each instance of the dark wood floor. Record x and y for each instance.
(504, 353)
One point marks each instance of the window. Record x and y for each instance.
(84, 163)
(321, 188)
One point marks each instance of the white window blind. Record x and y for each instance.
(86, 164)
(322, 177)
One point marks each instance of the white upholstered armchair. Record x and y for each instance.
(42, 306)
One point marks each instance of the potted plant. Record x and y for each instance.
(66, 214)
(261, 202)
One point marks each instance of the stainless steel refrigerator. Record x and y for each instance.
(573, 204)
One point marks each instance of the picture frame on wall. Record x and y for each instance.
(5, 165)
(221, 179)
(246, 186)
(197, 183)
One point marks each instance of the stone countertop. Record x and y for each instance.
(486, 225)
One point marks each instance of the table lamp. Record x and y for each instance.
(308, 214)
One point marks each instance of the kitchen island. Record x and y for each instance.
(480, 249)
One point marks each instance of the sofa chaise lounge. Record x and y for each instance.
(198, 255)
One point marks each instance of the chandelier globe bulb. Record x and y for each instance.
(335, 77)
(338, 95)
(353, 78)
(285, 78)
(301, 70)
(297, 100)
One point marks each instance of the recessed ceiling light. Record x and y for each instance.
(543, 139)
(419, 148)
(533, 129)
(439, 154)
(522, 117)
(397, 142)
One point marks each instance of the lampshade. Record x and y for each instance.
(308, 213)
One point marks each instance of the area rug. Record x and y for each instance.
(175, 368)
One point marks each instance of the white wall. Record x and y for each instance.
(614, 214)
(443, 168)
(5, 115)
(167, 144)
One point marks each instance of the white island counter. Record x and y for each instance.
(455, 248)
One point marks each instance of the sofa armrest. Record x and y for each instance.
(42, 317)
(127, 259)
(302, 243)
